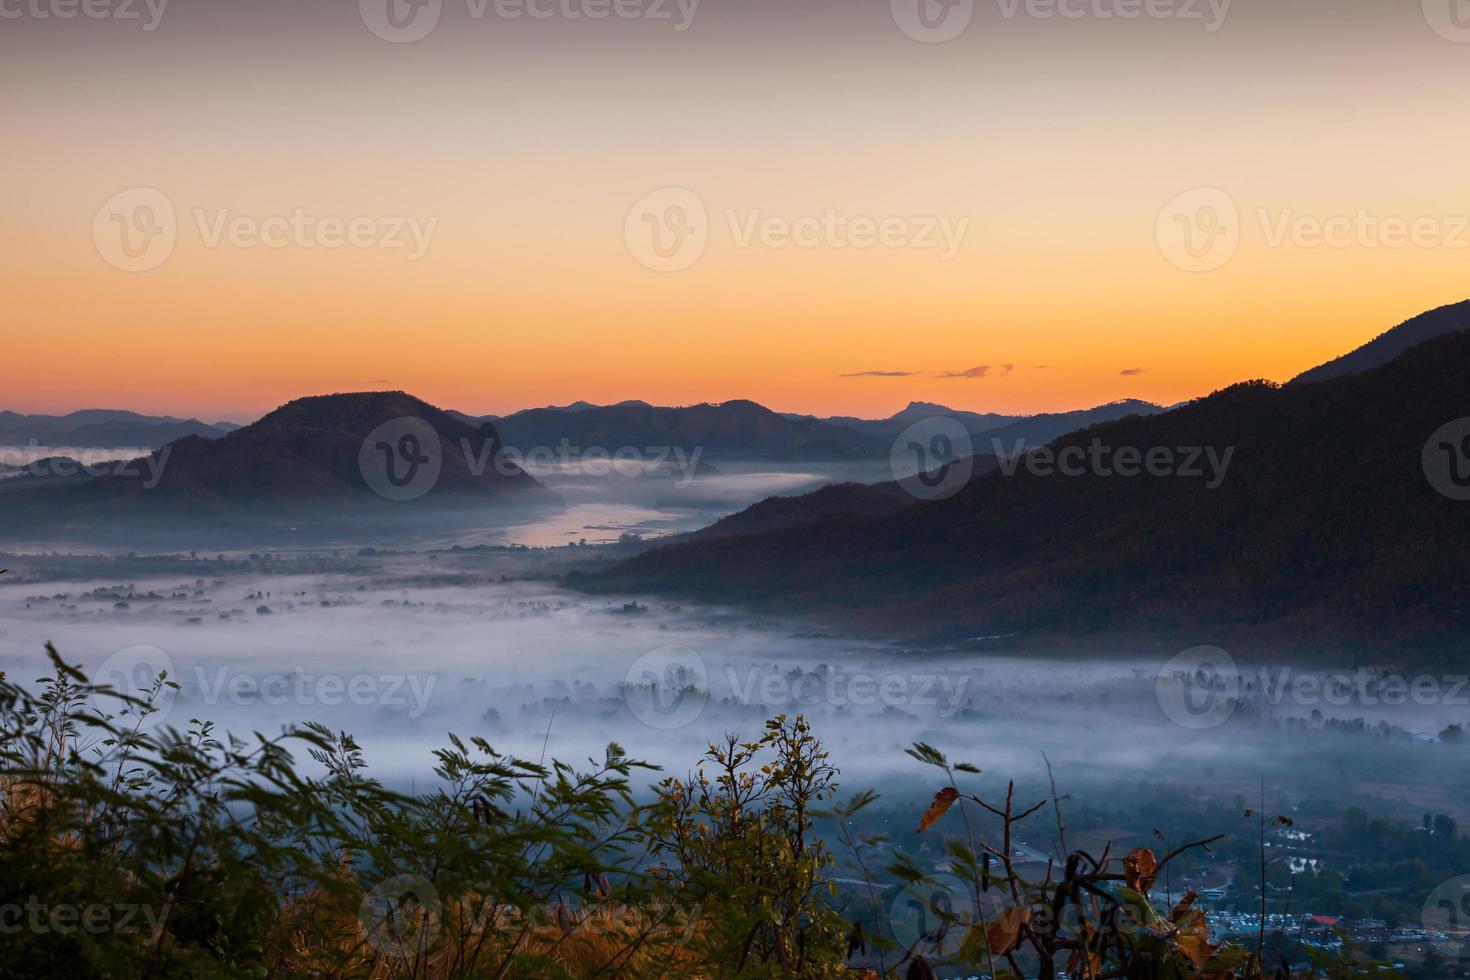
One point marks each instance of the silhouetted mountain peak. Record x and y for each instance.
(735, 428)
(1391, 343)
(1283, 511)
(318, 448)
(358, 412)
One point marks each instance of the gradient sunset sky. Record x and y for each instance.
(1059, 140)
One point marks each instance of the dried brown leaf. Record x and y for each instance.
(1186, 904)
(1196, 947)
(1004, 933)
(943, 800)
(1140, 868)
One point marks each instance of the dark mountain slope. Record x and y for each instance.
(100, 428)
(304, 457)
(732, 429)
(1390, 344)
(974, 422)
(775, 513)
(1324, 528)
(1038, 430)
(985, 428)
(833, 500)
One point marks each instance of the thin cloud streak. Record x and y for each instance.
(979, 371)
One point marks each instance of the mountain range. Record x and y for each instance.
(1391, 343)
(1318, 523)
(1323, 526)
(96, 427)
(316, 460)
(732, 429)
(989, 429)
(737, 429)
(742, 429)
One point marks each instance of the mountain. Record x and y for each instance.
(316, 458)
(101, 428)
(732, 429)
(581, 405)
(1390, 344)
(1324, 530)
(775, 513)
(744, 429)
(833, 500)
(1038, 430)
(989, 430)
(974, 422)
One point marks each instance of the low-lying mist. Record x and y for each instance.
(402, 648)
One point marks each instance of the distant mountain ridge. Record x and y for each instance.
(725, 430)
(305, 457)
(745, 429)
(974, 422)
(1325, 529)
(1391, 343)
(102, 428)
(734, 429)
(988, 429)
(1038, 430)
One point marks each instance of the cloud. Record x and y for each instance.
(1130, 372)
(979, 371)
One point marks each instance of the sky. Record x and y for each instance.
(828, 206)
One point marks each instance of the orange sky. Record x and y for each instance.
(1057, 142)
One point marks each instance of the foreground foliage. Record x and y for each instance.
(132, 850)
